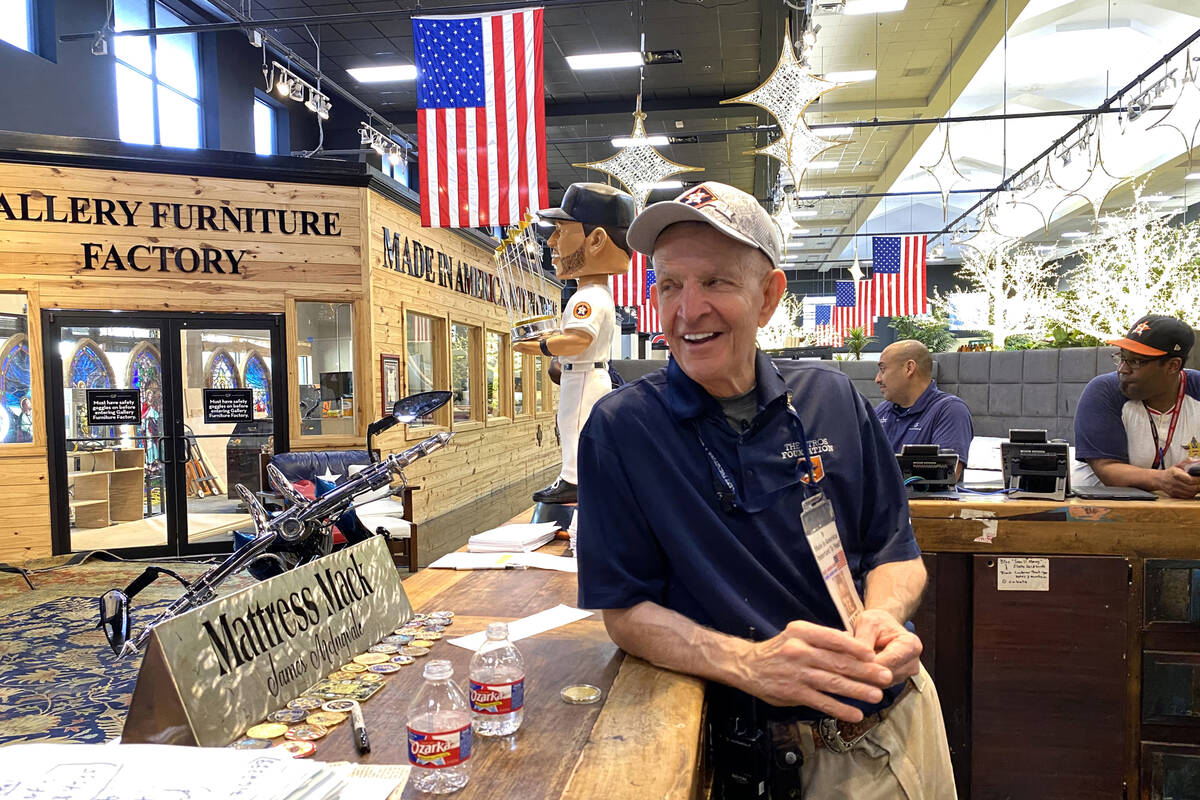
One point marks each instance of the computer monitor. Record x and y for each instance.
(336, 385)
(928, 468)
(1034, 467)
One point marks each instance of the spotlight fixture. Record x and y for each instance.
(289, 84)
(384, 145)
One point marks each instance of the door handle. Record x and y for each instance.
(168, 450)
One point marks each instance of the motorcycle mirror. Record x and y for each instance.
(417, 405)
(114, 619)
(258, 514)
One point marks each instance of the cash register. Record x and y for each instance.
(1034, 467)
(929, 472)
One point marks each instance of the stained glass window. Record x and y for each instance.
(89, 369)
(145, 375)
(257, 376)
(15, 403)
(222, 372)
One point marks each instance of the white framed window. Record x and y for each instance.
(264, 128)
(158, 78)
(397, 171)
(16, 23)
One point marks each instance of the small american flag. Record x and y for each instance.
(633, 289)
(899, 276)
(480, 118)
(854, 307)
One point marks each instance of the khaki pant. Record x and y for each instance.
(905, 757)
(578, 392)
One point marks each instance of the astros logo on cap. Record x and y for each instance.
(1142, 328)
(697, 197)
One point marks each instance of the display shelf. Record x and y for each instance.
(106, 486)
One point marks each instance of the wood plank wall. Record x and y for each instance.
(47, 261)
(484, 456)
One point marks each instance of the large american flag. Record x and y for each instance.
(854, 306)
(481, 123)
(899, 275)
(632, 289)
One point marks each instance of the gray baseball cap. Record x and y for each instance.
(731, 211)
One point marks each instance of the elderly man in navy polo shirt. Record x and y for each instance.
(914, 410)
(691, 539)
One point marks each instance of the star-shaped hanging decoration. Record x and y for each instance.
(1040, 192)
(944, 171)
(856, 271)
(785, 218)
(638, 165)
(796, 151)
(788, 90)
(1184, 114)
(987, 241)
(1097, 187)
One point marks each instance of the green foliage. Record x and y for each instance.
(933, 332)
(1066, 336)
(1022, 341)
(856, 341)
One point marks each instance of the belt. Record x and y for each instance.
(568, 366)
(836, 735)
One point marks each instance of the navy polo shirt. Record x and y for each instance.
(936, 417)
(651, 526)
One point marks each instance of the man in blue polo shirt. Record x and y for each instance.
(914, 410)
(1140, 426)
(691, 541)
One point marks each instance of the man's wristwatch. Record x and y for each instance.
(545, 350)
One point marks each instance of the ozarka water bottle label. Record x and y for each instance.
(436, 750)
(497, 698)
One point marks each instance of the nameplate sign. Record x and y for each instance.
(211, 673)
(114, 407)
(228, 405)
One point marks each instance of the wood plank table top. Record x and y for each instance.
(643, 740)
(1163, 528)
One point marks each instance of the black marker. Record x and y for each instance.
(361, 743)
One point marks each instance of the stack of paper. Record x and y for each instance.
(458, 560)
(512, 538)
(137, 771)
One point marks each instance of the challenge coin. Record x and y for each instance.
(326, 719)
(305, 703)
(397, 638)
(421, 643)
(427, 636)
(287, 715)
(339, 706)
(371, 677)
(297, 749)
(415, 652)
(343, 675)
(354, 667)
(402, 660)
(250, 744)
(384, 669)
(367, 659)
(432, 628)
(447, 614)
(305, 732)
(383, 647)
(267, 730)
(580, 694)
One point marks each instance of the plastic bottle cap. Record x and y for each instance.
(438, 670)
(497, 630)
(580, 694)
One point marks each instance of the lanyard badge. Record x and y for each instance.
(816, 516)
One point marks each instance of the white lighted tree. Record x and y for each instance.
(1019, 285)
(1146, 263)
(782, 324)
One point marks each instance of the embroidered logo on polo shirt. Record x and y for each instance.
(1193, 448)
(582, 310)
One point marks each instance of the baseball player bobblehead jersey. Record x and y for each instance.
(591, 309)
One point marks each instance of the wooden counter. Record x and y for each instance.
(1051, 679)
(641, 741)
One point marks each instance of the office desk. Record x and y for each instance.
(1079, 688)
(641, 741)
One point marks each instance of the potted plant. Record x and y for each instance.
(856, 341)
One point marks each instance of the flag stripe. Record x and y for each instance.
(427, 177)
(899, 276)
(481, 166)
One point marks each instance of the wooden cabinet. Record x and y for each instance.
(106, 486)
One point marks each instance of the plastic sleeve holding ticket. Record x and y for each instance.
(820, 528)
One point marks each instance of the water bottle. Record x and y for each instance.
(497, 678)
(439, 733)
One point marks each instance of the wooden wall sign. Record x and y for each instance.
(214, 671)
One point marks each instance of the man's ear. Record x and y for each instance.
(773, 289)
(654, 295)
(596, 240)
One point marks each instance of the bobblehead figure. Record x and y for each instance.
(588, 245)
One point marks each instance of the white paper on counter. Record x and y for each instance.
(523, 628)
(505, 561)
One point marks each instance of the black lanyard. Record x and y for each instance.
(726, 489)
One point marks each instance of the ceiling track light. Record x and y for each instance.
(384, 145)
(1146, 97)
(290, 85)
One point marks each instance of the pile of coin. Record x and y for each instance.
(326, 704)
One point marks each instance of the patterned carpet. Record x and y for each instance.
(59, 681)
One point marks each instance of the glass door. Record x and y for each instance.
(161, 416)
(227, 425)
